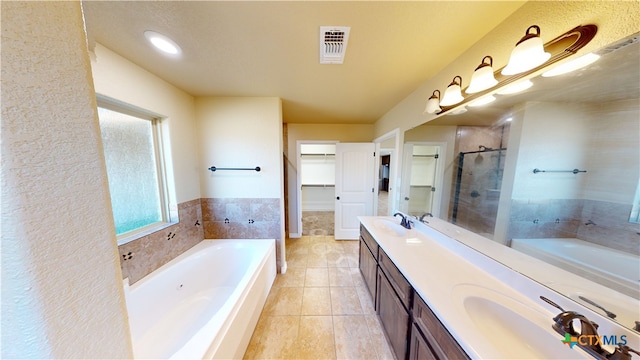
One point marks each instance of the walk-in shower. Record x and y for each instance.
(477, 189)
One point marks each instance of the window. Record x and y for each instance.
(132, 150)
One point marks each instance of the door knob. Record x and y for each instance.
(337, 197)
(406, 198)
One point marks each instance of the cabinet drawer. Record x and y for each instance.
(442, 344)
(368, 239)
(397, 280)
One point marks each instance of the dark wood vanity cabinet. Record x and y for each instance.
(368, 268)
(430, 339)
(413, 330)
(395, 318)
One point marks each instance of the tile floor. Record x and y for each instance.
(319, 309)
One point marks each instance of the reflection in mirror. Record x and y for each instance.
(581, 221)
(419, 191)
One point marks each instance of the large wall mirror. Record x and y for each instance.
(554, 171)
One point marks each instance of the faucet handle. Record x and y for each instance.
(622, 353)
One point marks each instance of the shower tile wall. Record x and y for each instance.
(144, 255)
(558, 218)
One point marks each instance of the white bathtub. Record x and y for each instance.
(612, 268)
(205, 303)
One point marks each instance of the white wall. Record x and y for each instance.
(122, 80)
(62, 294)
(560, 149)
(240, 133)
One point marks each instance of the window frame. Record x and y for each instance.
(161, 168)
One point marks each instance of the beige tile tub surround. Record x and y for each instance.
(142, 256)
(319, 309)
(241, 218)
(200, 219)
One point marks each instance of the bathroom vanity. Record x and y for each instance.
(438, 298)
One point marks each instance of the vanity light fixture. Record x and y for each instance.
(453, 94)
(482, 78)
(433, 104)
(528, 53)
(528, 57)
(515, 87)
(482, 101)
(163, 43)
(572, 65)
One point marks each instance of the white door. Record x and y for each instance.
(355, 190)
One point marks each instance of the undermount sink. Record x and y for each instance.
(390, 227)
(510, 327)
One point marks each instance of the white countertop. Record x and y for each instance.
(445, 272)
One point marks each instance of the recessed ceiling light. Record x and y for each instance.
(163, 43)
(572, 65)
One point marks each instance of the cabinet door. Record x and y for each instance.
(393, 316)
(368, 268)
(418, 348)
(443, 345)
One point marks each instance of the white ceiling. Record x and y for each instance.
(269, 48)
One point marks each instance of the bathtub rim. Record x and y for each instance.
(604, 278)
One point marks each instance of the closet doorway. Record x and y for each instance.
(317, 184)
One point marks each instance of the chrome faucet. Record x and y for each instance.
(406, 223)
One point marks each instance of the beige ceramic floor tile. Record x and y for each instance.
(345, 301)
(318, 248)
(317, 260)
(340, 277)
(353, 260)
(294, 277)
(379, 341)
(335, 246)
(316, 301)
(315, 338)
(351, 247)
(278, 340)
(356, 277)
(284, 301)
(352, 338)
(316, 277)
(297, 260)
(366, 300)
(336, 259)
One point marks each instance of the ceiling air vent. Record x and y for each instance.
(333, 44)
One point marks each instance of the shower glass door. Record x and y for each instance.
(477, 190)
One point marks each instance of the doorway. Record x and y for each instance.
(317, 187)
(387, 150)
